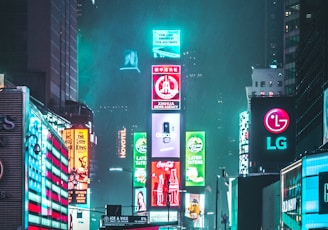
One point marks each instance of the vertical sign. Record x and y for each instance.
(195, 207)
(140, 159)
(195, 158)
(77, 142)
(166, 87)
(165, 183)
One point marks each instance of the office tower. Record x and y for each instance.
(311, 72)
(38, 48)
(273, 33)
(291, 39)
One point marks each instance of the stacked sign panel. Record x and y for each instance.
(195, 159)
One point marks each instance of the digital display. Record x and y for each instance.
(243, 142)
(314, 172)
(140, 200)
(166, 87)
(166, 43)
(272, 133)
(291, 195)
(165, 183)
(165, 135)
(140, 159)
(195, 208)
(195, 158)
(77, 141)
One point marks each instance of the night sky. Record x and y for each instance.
(228, 37)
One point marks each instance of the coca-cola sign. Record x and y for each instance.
(165, 165)
(165, 183)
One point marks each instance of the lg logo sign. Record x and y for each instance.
(276, 121)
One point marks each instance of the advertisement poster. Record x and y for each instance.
(166, 87)
(165, 183)
(166, 135)
(140, 200)
(195, 158)
(195, 204)
(77, 142)
(166, 43)
(140, 159)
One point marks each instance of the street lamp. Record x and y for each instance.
(119, 169)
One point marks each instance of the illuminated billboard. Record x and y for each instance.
(243, 142)
(272, 133)
(165, 135)
(77, 142)
(195, 209)
(140, 200)
(325, 117)
(166, 87)
(315, 191)
(140, 159)
(165, 183)
(195, 158)
(291, 195)
(166, 43)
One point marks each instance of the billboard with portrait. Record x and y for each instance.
(166, 44)
(140, 200)
(166, 87)
(165, 135)
(272, 133)
(165, 183)
(195, 158)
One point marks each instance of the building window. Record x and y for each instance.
(279, 83)
(262, 83)
(256, 84)
(270, 94)
(270, 83)
(262, 93)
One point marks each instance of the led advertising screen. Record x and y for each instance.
(165, 135)
(166, 87)
(165, 183)
(77, 142)
(291, 195)
(140, 159)
(314, 191)
(243, 142)
(195, 209)
(272, 133)
(325, 117)
(195, 158)
(140, 200)
(166, 43)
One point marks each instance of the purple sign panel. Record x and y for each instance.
(165, 135)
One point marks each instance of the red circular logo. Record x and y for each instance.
(276, 121)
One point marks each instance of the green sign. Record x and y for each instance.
(195, 159)
(140, 159)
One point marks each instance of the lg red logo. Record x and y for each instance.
(276, 121)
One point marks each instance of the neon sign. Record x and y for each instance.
(276, 121)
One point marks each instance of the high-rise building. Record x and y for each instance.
(273, 33)
(39, 48)
(291, 39)
(311, 75)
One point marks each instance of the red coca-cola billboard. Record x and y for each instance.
(165, 183)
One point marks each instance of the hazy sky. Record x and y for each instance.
(228, 37)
